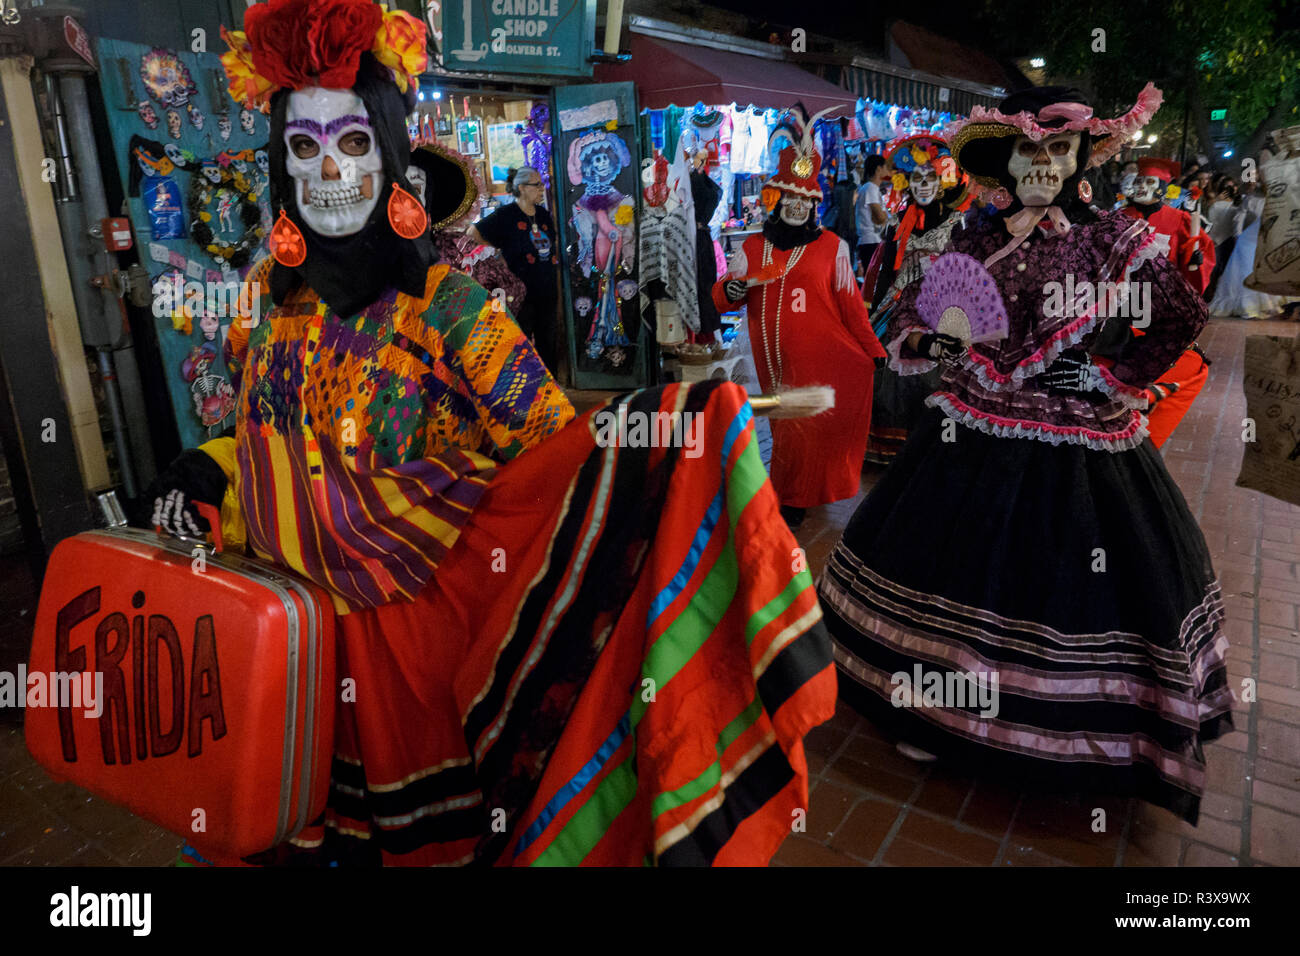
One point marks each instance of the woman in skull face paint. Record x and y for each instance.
(1029, 531)
(935, 199)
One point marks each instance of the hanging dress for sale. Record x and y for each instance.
(1035, 538)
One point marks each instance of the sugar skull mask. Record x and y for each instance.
(923, 181)
(1147, 189)
(334, 160)
(1039, 169)
(795, 209)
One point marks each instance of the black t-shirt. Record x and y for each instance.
(528, 244)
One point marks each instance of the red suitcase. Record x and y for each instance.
(218, 687)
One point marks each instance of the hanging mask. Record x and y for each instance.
(1039, 169)
(196, 116)
(923, 181)
(173, 124)
(223, 126)
(148, 114)
(334, 160)
(246, 121)
(1147, 190)
(263, 161)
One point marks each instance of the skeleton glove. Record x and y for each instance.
(941, 348)
(734, 289)
(1073, 371)
(192, 477)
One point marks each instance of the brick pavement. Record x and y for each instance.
(872, 807)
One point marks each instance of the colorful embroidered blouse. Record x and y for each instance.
(363, 444)
(997, 387)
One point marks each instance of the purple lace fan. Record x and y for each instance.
(959, 298)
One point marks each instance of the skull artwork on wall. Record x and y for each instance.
(334, 160)
(1040, 168)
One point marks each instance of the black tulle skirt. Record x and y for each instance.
(1073, 583)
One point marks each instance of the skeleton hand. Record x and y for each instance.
(1196, 258)
(942, 348)
(1073, 371)
(191, 479)
(734, 289)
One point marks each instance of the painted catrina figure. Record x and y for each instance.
(1029, 532)
(935, 198)
(808, 326)
(603, 219)
(506, 576)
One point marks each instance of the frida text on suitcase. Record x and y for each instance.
(122, 647)
(60, 689)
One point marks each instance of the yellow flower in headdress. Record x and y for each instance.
(246, 87)
(399, 45)
(899, 181)
(920, 155)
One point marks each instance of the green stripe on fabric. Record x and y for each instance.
(710, 777)
(683, 638)
(586, 827)
(774, 608)
(747, 476)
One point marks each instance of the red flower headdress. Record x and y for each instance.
(298, 43)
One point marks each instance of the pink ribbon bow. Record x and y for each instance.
(1022, 224)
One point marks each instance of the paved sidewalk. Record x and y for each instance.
(871, 806)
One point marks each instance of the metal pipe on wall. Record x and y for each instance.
(104, 307)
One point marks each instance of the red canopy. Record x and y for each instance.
(667, 73)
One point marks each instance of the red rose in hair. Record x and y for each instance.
(298, 43)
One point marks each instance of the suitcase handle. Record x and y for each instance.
(213, 515)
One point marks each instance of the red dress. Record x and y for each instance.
(1177, 225)
(810, 327)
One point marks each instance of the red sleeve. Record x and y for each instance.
(853, 313)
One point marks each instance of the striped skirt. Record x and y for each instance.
(615, 665)
(1046, 613)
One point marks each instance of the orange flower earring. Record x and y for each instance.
(406, 215)
(287, 244)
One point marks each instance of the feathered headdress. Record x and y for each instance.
(298, 43)
(799, 162)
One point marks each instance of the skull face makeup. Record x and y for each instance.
(795, 209)
(1040, 168)
(924, 184)
(1147, 190)
(333, 159)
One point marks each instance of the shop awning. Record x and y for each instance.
(903, 90)
(667, 73)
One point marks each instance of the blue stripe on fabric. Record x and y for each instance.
(743, 418)
(575, 786)
(675, 587)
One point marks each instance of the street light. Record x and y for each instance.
(1227, 154)
(1152, 138)
(1038, 63)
